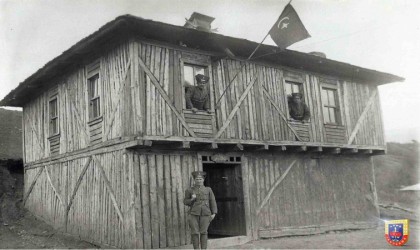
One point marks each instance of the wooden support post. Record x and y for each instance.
(239, 146)
(278, 148)
(301, 149)
(366, 151)
(184, 145)
(147, 143)
(258, 147)
(207, 146)
(315, 149)
(379, 152)
(335, 151)
(350, 151)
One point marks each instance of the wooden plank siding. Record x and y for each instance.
(315, 193)
(134, 199)
(131, 105)
(151, 204)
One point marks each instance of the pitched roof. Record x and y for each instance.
(10, 134)
(127, 26)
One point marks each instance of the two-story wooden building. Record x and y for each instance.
(109, 145)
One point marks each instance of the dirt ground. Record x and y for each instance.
(355, 239)
(19, 229)
(29, 233)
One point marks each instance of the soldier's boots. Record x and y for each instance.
(195, 241)
(203, 240)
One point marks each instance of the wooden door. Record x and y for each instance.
(226, 183)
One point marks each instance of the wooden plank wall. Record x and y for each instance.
(73, 109)
(160, 193)
(131, 104)
(371, 129)
(326, 191)
(148, 190)
(92, 215)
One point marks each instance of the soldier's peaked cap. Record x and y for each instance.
(202, 78)
(297, 94)
(195, 174)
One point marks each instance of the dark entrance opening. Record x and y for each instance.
(226, 182)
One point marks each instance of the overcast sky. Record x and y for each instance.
(382, 35)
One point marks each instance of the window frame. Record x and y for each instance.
(55, 118)
(93, 72)
(299, 84)
(297, 80)
(337, 108)
(94, 81)
(196, 61)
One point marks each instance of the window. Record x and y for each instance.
(293, 87)
(203, 98)
(190, 71)
(53, 116)
(94, 98)
(330, 106)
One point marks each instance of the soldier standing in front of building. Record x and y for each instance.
(197, 97)
(298, 110)
(203, 209)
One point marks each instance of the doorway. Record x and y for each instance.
(226, 182)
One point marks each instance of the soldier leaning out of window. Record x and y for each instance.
(197, 97)
(298, 109)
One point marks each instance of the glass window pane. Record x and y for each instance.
(93, 87)
(55, 127)
(288, 88)
(326, 115)
(331, 97)
(53, 108)
(332, 115)
(324, 96)
(188, 75)
(296, 88)
(96, 110)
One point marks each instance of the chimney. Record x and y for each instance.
(317, 53)
(199, 22)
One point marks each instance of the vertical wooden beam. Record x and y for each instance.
(32, 185)
(76, 187)
(270, 192)
(109, 187)
(52, 186)
(281, 114)
(112, 115)
(362, 117)
(165, 96)
(235, 109)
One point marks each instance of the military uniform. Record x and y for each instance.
(199, 214)
(197, 98)
(298, 111)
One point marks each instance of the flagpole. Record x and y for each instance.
(249, 58)
(255, 50)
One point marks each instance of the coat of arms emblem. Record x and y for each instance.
(396, 232)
